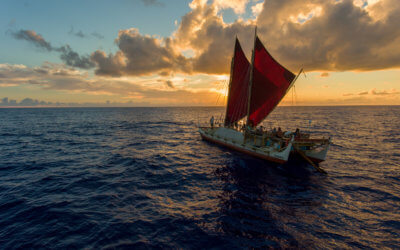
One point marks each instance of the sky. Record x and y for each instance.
(178, 52)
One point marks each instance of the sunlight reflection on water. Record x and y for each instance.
(142, 177)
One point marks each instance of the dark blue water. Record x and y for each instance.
(142, 177)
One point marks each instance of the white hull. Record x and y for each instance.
(235, 140)
(318, 153)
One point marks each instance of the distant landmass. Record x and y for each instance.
(29, 102)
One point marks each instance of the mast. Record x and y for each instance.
(251, 79)
(230, 83)
(269, 83)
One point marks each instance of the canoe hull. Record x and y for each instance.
(228, 138)
(318, 154)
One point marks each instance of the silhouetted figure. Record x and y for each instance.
(279, 133)
(297, 133)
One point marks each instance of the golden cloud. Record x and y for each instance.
(318, 35)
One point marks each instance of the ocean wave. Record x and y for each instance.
(143, 178)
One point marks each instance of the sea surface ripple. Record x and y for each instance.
(143, 178)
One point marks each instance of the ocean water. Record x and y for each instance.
(143, 178)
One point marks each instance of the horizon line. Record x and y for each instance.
(197, 106)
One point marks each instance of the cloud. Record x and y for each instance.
(71, 58)
(34, 38)
(375, 92)
(257, 8)
(27, 102)
(152, 2)
(317, 35)
(67, 55)
(169, 84)
(16, 74)
(204, 31)
(80, 34)
(140, 55)
(238, 6)
(109, 65)
(201, 30)
(31, 102)
(77, 33)
(62, 78)
(336, 36)
(384, 92)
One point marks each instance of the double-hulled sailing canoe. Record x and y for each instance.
(255, 89)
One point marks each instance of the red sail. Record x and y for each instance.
(238, 88)
(270, 83)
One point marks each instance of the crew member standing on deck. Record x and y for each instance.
(279, 133)
(297, 133)
(212, 121)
